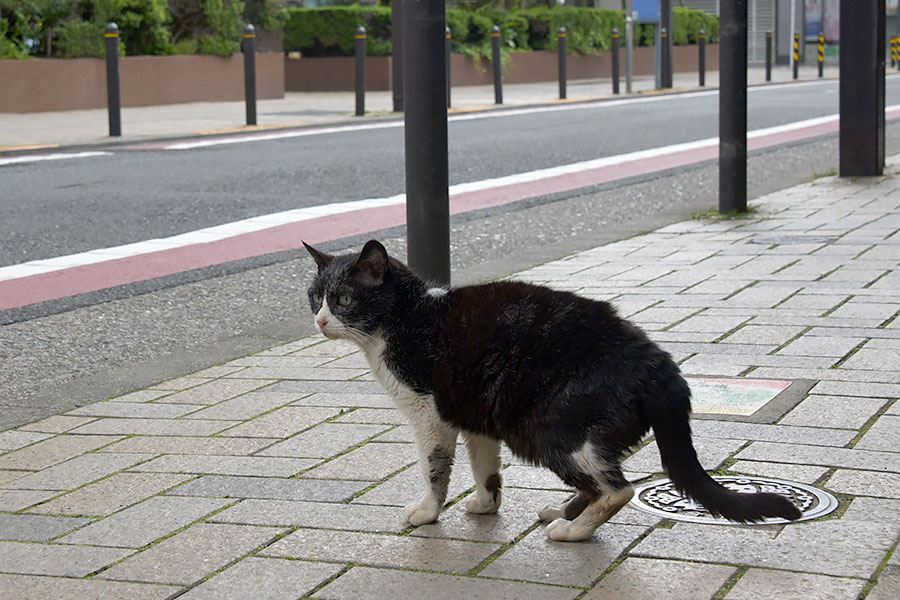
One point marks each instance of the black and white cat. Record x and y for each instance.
(562, 380)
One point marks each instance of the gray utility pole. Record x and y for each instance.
(862, 88)
(629, 42)
(666, 48)
(397, 54)
(427, 173)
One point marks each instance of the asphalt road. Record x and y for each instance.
(121, 339)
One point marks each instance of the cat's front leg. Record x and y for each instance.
(436, 442)
(484, 454)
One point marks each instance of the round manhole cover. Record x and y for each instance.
(660, 498)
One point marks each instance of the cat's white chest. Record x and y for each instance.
(406, 398)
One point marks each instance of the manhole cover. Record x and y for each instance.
(660, 498)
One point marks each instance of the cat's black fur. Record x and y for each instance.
(544, 371)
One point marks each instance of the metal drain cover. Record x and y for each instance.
(659, 497)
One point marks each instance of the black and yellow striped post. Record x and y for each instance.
(897, 50)
(496, 64)
(249, 49)
(448, 37)
(614, 38)
(768, 56)
(360, 83)
(701, 58)
(821, 55)
(893, 51)
(796, 55)
(113, 93)
(561, 50)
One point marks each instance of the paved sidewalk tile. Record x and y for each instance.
(350, 517)
(884, 435)
(137, 410)
(317, 490)
(36, 528)
(191, 555)
(833, 411)
(865, 483)
(56, 424)
(650, 579)
(358, 583)
(373, 462)
(244, 407)
(143, 523)
(16, 500)
(214, 391)
(77, 471)
(111, 494)
(31, 587)
(259, 466)
(266, 579)
(325, 440)
(155, 427)
(167, 444)
(409, 485)
(761, 583)
(282, 422)
(712, 452)
(15, 439)
(54, 450)
(822, 455)
(888, 586)
(55, 559)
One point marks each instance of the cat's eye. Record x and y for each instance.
(317, 298)
(345, 300)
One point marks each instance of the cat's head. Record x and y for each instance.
(352, 294)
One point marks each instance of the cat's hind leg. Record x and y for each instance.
(484, 453)
(569, 509)
(593, 516)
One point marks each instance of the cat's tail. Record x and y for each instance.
(673, 436)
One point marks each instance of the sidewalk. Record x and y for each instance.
(282, 474)
(20, 132)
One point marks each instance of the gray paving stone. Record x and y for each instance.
(379, 416)
(317, 373)
(137, 410)
(839, 548)
(16, 500)
(182, 427)
(142, 396)
(358, 583)
(34, 528)
(813, 436)
(145, 522)
(381, 550)
(404, 434)
(876, 510)
(330, 348)
(370, 462)
(52, 451)
(245, 407)
(763, 583)
(180, 383)
(712, 452)
(260, 360)
(282, 422)
(324, 515)
(330, 387)
(822, 455)
(822, 302)
(190, 555)
(409, 485)
(317, 490)
(856, 309)
(216, 372)
(852, 388)
(348, 400)
(15, 439)
(763, 334)
(167, 444)
(798, 473)
(888, 586)
(7, 476)
(324, 441)
(833, 411)
(704, 324)
(650, 579)
(111, 494)
(259, 466)
(215, 391)
(537, 558)
(883, 435)
(265, 579)
(33, 587)
(77, 471)
(538, 478)
(56, 424)
(55, 559)
(834, 347)
(518, 514)
(865, 483)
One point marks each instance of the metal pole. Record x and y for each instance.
(664, 81)
(733, 107)
(561, 37)
(666, 26)
(360, 84)
(427, 178)
(397, 54)
(861, 137)
(796, 54)
(615, 60)
(701, 59)
(249, 49)
(113, 93)
(768, 56)
(448, 37)
(496, 64)
(821, 55)
(629, 46)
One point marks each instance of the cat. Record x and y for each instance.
(563, 380)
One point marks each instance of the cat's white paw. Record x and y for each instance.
(563, 530)
(424, 511)
(551, 512)
(486, 504)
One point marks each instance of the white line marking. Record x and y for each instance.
(57, 156)
(227, 230)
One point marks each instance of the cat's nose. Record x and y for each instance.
(321, 321)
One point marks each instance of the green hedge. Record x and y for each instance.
(329, 31)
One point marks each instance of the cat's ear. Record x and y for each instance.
(322, 259)
(372, 264)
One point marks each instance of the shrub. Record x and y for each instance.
(330, 31)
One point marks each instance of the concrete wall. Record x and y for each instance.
(38, 85)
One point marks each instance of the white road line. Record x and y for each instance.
(227, 230)
(57, 156)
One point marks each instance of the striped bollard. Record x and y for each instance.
(821, 55)
(796, 55)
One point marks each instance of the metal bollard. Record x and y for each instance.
(561, 42)
(113, 94)
(821, 55)
(796, 55)
(897, 40)
(498, 67)
(701, 58)
(768, 56)
(448, 37)
(249, 48)
(733, 107)
(664, 79)
(360, 84)
(615, 60)
(893, 51)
